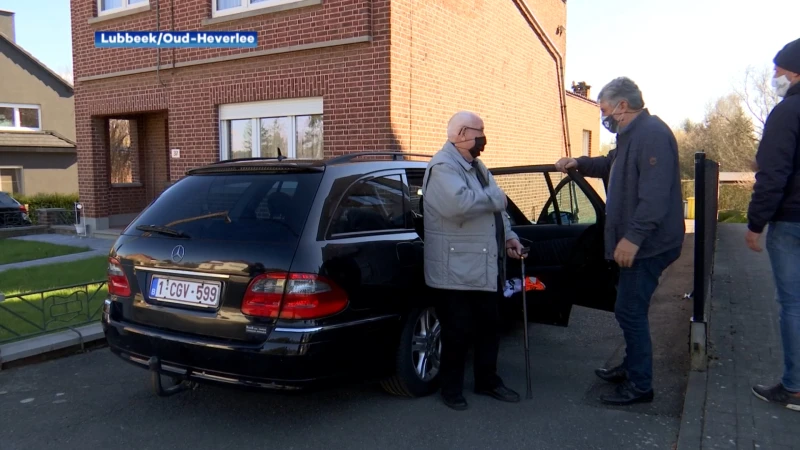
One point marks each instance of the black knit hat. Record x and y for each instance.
(789, 57)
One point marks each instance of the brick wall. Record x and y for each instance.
(584, 114)
(481, 56)
(376, 96)
(352, 79)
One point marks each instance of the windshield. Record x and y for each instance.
(232, 207)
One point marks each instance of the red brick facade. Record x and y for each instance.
(390, 73)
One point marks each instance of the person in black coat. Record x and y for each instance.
(776, 202)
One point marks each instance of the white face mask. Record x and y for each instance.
(781, 85)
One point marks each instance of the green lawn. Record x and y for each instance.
(13, 250)
(731, 216)
(53, 310)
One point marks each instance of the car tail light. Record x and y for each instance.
(293, 296)
(23, 208)
(117, 281)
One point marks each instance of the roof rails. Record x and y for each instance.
(397, 156)
(280, 158)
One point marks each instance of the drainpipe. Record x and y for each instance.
(158, 51)
(559, 59)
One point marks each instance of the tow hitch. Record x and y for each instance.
(180, 384)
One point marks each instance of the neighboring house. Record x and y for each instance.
(583, 117)
(737, 177)
(329, 77)
(37, 122)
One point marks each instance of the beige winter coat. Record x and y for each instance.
(460, 243)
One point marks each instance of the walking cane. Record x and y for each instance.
(528, 394)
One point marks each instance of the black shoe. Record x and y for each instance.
(627, 394)
(457, 402)
(501, 393)
(613, 375)
(778, 394)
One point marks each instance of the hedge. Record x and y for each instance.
(732, 197)
(37, 201)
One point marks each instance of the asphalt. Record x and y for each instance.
(94, 400)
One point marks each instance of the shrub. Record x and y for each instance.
(733, 197)
(37, 201)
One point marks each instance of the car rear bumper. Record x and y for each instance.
(287, 360)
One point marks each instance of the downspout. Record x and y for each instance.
(158, 51)
(559, 59)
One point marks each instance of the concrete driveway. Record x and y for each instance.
(94, 400)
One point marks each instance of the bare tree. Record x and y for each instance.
(66, 73)
(120, 151)
(756, 94)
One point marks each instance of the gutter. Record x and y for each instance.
(522, 5)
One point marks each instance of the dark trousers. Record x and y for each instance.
(636, 287)
(465, 314)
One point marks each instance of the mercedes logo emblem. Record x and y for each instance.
(177, 253)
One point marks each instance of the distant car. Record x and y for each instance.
(286, 273)
(12, 212)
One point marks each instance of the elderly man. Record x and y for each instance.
(644, 227)
(467, 235)
(776, 200)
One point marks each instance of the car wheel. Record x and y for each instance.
(418, 356)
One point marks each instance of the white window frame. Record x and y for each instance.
(125, 6)
(21, 178)
(255, 111)
(16, 107)
(247, 6)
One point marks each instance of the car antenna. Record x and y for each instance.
(280, 155)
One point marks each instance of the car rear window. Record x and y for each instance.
(7, 201)
(235, 207)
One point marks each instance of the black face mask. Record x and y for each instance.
(611, 123)
(480, 143)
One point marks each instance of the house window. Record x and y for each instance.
(123, 151)
(20, 117)
(261, 129)
(113, 6)
(225, 7)
(587, 142)
(11, 179)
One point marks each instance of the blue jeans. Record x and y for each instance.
(783, 245)
(636, 287)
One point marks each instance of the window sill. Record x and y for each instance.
(125, 185)
(123, 13)
(260, 11)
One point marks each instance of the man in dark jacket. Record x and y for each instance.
(644, 227)
(776, 201)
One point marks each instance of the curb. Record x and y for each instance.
(690, 435)
(50, 343)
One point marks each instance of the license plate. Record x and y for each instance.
(196, 293)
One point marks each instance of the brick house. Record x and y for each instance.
(328, 77)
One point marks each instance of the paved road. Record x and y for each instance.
(94, 400)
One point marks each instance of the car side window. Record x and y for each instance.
(573, 204)
(371, 205)
(415, 177)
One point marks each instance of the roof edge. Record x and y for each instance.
(41, 64)
(580, 97)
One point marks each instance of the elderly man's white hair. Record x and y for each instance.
(460, 120)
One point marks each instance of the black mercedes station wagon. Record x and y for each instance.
(284, 274)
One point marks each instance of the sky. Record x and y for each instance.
(683, 54)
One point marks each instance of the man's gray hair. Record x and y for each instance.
(619, 89)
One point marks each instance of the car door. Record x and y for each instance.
(561, 218)
(369, 242)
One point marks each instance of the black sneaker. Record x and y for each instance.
(501, 393)
(457, 402)
(627, 394)
(613, 375)
(778, 394)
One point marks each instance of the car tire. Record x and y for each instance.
(422, 329)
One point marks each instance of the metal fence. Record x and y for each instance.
(9, 219)
(706, 209)
(34, 313)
